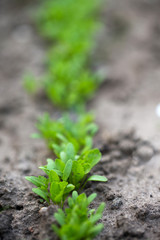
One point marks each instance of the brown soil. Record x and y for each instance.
(128, 54)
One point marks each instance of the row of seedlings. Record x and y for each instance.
(70, 27)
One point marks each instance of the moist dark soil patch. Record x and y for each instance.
(127, 99)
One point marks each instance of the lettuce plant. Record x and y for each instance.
(58, 133)
(66, 173)
(78, 222)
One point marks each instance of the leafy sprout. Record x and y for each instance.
(68, 84)
(78, 222)
(55, 17)
(66, 173)
(70, 27)
(58, 133)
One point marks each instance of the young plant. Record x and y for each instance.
(65, 174)
(52, 188)
(70, 26)
(58, 133)
(78, 222)
(69, 85)
(55, 17)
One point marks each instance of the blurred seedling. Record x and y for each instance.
(78, 221)
(58, 133)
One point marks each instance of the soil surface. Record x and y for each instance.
(128, 54)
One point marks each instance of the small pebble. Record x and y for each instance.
(100, 187)
(117, 203)
(145, 152)
(43, 210)
(127, 146)
(110, 196)
(116, 154)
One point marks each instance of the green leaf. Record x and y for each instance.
(44, 169)
(101, 208)
(57, 191)
(90, 159)
(53, 176)
(70, 151)
(70, 202)
(41, 193)
(60, 218)
(38, 181)
(59, 165)
(91, 212)
(59, 196)
(63, 156)
(94, 218)
(47, 171)
(88, 142)
(93, 128)
(61, 137)
(91, 197)
(77, 172)
(54, 189)
(50, 164)
(97, 229)
(97, 178)
(84, 228)
(67, 170)
(57, 149)
(69, 188)
(74, 196)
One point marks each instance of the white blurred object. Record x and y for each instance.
(158, 110)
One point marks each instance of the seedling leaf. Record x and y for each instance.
(67, 170)
(97, 178)
(91, 197)
(41, 193)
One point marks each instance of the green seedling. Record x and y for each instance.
(30, 84)
(66, 173)
(69, 81)
(52, 188)
(70, 26)
(55, 17)
(58, 133)
(78, 221)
